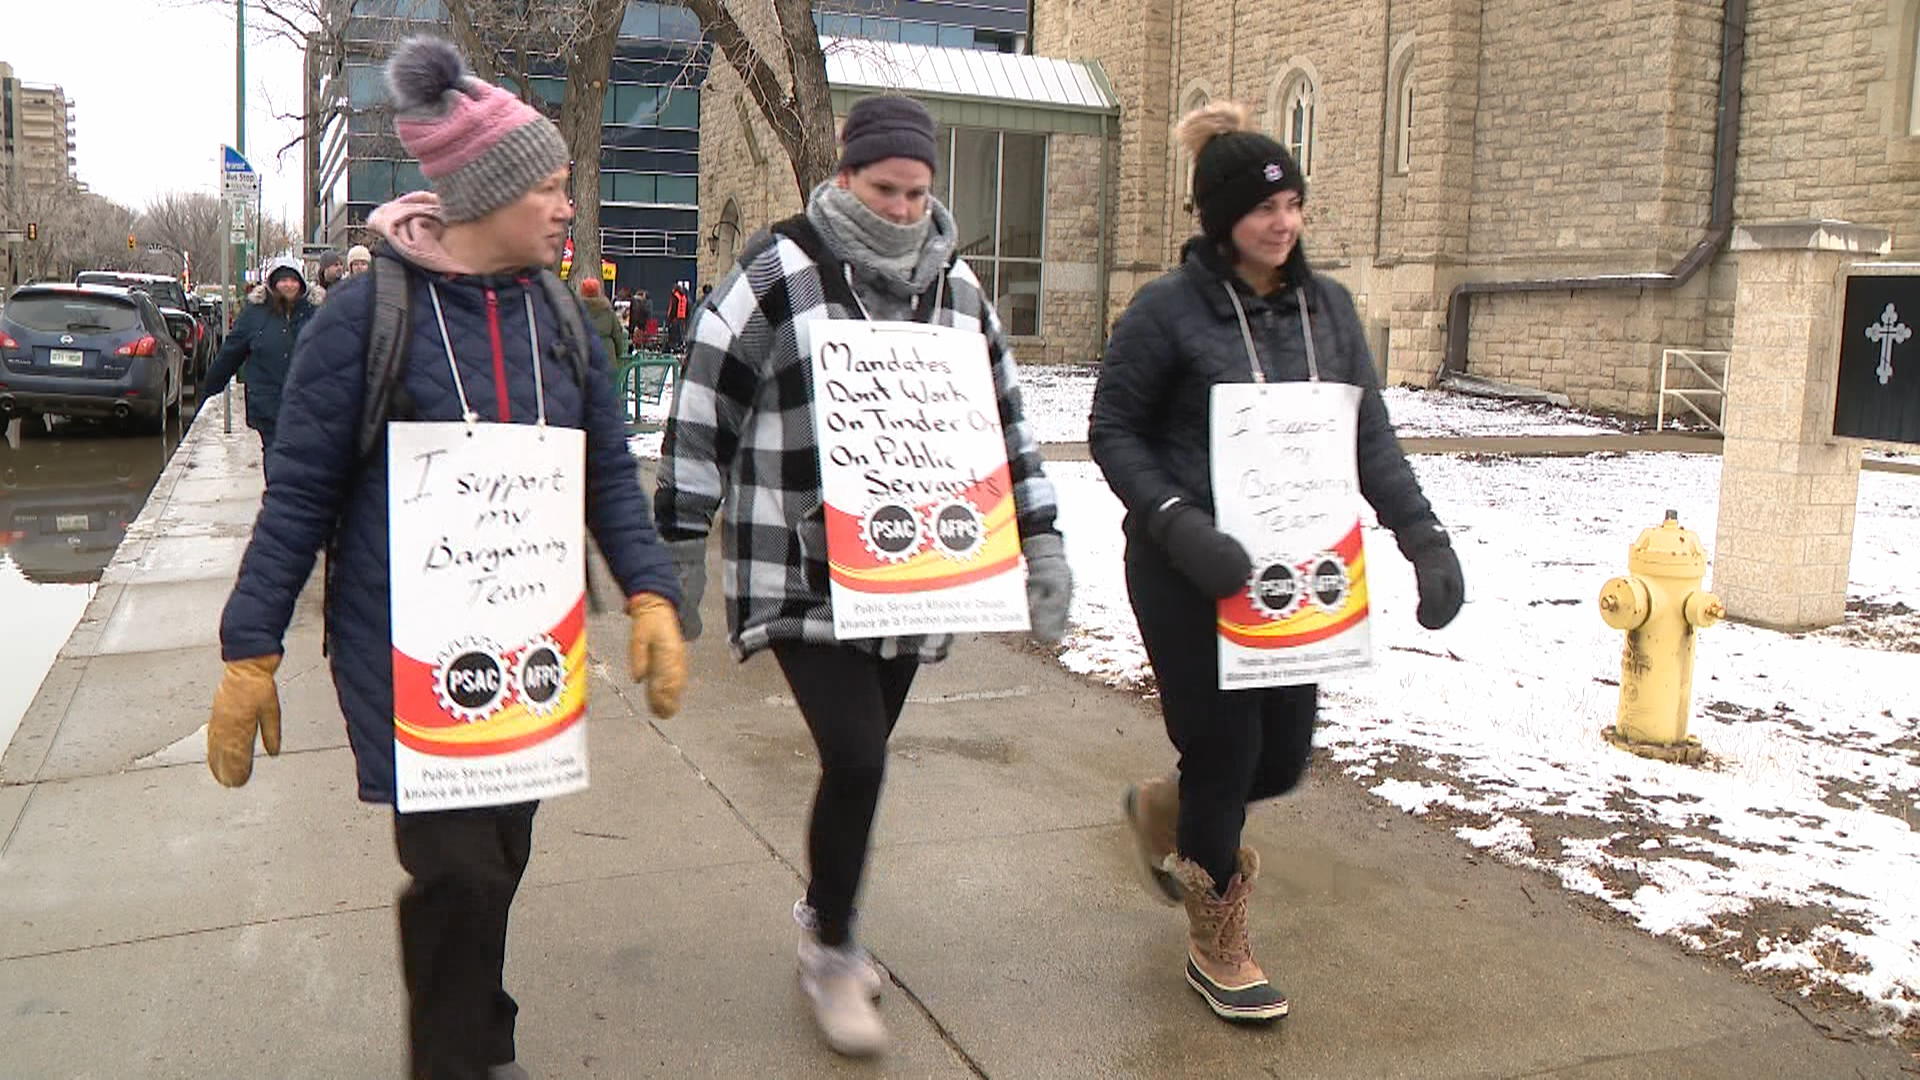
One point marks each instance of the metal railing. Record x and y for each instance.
(1678, 361)
(640, 380)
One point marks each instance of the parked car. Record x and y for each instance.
(184, 321)
(89, 350)
(66, 505)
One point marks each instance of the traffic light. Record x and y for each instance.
(130, 244)
(33, 231)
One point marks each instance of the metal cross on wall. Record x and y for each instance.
(1889, 331)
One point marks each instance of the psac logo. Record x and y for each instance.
(892, 532)
(471, 678)
(1278, 589)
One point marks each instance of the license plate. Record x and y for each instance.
(66, 358)
(70, 522)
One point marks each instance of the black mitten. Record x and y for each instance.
(1436, 570)
(1212, 560)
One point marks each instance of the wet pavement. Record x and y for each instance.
(67, 497)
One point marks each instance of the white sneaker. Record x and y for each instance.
(872, 976)
(836, 980)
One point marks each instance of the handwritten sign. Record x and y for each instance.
(921, 536)
(1286, 485)
(489, 612)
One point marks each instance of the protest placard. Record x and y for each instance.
(921, 535)
(486, 526)
(1286, 485)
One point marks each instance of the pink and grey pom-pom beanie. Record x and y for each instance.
(479, 146)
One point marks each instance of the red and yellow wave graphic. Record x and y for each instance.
(422, 724)
(1245, 625)
(853, 565)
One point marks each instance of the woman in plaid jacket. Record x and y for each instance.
(873, 243)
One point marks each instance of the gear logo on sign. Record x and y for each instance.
(1276, 590)
(541, 675)
(1327, 584)
(471, 678)
(892, 532)
(959, 532)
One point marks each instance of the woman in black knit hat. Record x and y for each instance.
(1243, 307)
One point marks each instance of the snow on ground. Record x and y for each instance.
(653, 415)
(1057, 398)
(1791, 851)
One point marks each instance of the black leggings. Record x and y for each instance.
(850, 700)
(1237, 746)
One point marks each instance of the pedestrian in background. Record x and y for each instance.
(603, 320)
(1243, 301)
(741, 443)
(486, 346)
(678, 311)
(262, 343)
(330, 269)
(639, 319)
(359, 259)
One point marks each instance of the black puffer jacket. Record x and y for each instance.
(1179, 337)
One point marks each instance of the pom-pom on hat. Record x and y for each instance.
(1234, 167)
(479, 146)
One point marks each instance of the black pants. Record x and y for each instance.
(466, 867)
(1237, 746)
(851, 701)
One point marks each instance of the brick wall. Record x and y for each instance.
(1824, 130)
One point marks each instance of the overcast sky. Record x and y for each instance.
(151, 83)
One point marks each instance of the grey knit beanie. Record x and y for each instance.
(479, 146)
(884, 127)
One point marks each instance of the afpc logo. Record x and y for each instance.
(1328, 584)
(541, 675)
(959, 532)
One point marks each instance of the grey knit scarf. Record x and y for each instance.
(896, 261)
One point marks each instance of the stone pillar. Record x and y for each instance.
(1787, 487)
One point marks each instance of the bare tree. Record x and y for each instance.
(76, 230)
(788, 85)
(190, 225)
(772, 44)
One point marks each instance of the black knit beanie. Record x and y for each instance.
(878, 128)
(1234, 168)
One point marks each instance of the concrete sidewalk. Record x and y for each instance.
(154, 924)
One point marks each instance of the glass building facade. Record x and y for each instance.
(650, 139)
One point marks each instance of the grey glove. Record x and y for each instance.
(1049, 586)
(690, 562)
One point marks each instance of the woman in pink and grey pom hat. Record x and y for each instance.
(485, 342)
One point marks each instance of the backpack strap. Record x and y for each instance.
(386, 353)
(833, 273)
(573, 324)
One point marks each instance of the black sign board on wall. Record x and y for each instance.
(1878, 393)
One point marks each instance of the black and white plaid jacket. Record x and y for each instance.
(741, 438)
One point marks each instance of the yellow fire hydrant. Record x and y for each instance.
(1660, 605)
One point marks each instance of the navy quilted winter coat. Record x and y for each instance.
(263, 339)
(317, 482)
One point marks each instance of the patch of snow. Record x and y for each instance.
(1807, 798)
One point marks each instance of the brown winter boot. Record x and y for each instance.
(1153, 812)
(1219, 957)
